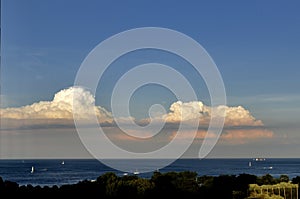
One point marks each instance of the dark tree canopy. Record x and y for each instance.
(171, 184)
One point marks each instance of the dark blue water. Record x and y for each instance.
(53, 172)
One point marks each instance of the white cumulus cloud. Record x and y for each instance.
(61, 107)
(196, 110)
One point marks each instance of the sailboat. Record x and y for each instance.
(250, 164)
(63, 162)
(136, 172)
(32, 169)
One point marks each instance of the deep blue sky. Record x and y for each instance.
(257, 40)
(255, 44)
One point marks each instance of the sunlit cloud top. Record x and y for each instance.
(234, 116)
(61, 107)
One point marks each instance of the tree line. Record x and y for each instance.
(185, 184)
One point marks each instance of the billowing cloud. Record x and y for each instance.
(187, 111)
(196, 110)
(61, 107)
(240, 125)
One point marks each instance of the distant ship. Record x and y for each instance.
(136, 172)
(63, 162)
(32, 169)
(250, 164)
(260, 159)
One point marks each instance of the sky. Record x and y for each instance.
(254, 44)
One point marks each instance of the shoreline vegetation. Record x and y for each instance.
(184, 184)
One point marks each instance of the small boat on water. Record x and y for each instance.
(268, 168)
(32, 169)
(63, 162)
(250, 164)
(136, 172)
